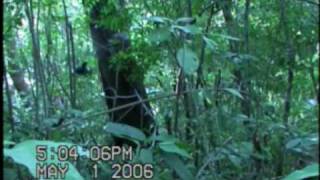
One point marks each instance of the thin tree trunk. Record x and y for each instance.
(42, 69)
(314, 83)
(73, 64)
(189, 104)
(246, 25)
(290, 62)
(200, 81)
(186, 97)
(235, 48)
(179, 88)
(70, 57)
(36, 60)
(10, 107)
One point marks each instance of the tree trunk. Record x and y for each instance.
(117, 88)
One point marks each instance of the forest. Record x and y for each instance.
(160, 89)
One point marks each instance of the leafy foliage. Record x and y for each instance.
(233, 86)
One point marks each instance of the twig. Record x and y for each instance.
(211, 159)
(207, 7)
(310, 2)
(146, 100)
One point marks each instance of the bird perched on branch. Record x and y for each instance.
(83, 69)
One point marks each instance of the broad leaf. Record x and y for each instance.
(185, 20)
(126, 131)
(234, 159)
(173, 148)
(188, 29)
(163, 137)
(188, 60)
(8, 143)
(146, 156)
(307, 172)
(210, 43)
(158, 19)
(293, 143)
(234, 92)
(25, 154)
(159, 35)
(227, 37)
(178, 166)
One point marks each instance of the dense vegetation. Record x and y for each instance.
(200, 89)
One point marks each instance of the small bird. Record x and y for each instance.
(83, 69)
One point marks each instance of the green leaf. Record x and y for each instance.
(234, 159)
(159, 35)
(185, 20)
(165, 174)
(227, 37)
(125, 131)
(188, 60)
(171, 147)
(178, 166)
(158, 19)
(163, 137)
(307, 172)
(25, 154)
(210, 43)
(189, 29)
(146, 156)
(293, 143)
(234, 92)
(8, 143)
(246, 149)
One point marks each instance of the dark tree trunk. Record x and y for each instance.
(10, 106)
(16, 73)
(117, 88)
